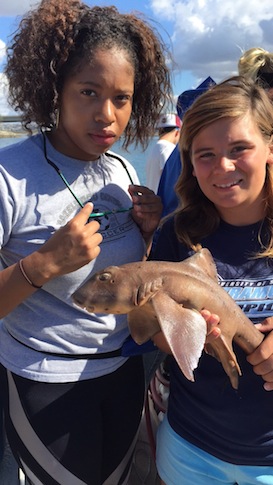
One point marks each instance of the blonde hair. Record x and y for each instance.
(255, 61)
(197, 217)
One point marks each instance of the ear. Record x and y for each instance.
(177, 133)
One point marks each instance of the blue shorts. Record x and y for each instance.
(178, 461)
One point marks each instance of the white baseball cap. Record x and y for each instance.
(169, 120)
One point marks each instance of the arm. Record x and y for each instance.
(70, 248)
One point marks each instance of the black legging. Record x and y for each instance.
(76, 433)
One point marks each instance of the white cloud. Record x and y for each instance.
(209, 35)
(5, 109)
(2, 51)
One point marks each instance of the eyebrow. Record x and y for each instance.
(88, 83)
(236, 142)
(199, 150)
(95, 84)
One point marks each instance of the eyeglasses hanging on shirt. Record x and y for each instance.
(93, 215)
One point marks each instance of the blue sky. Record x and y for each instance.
(206, 37)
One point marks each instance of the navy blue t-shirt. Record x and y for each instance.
(235, 426)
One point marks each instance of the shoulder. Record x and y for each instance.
(165, 144)
(153, 150)
(25, 143)
(21, 154)
(167, 247)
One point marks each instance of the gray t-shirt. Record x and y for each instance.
(34, 203)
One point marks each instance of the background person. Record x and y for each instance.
(172, 167)
(257, 64)
(168, 132)
(212, 433)
(84, 76)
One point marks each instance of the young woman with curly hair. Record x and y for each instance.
(85, 76)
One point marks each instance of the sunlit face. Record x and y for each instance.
(229, 159)
(95, 106)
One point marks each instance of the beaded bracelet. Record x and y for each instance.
(21, 267)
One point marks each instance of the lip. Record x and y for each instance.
(228, 185)
(103, 138)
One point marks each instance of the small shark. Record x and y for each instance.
(168, 297)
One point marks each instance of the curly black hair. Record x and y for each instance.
(54, 39)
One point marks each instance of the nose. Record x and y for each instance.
(105, 112)
(225, 163)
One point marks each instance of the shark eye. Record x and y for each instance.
(105, 276)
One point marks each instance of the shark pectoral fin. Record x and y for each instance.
(143, 323)
(185, 331)
(222, 350)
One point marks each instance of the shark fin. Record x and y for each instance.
(223, 352)
(185, 331)
(202, 261)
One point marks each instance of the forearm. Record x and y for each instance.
(14, 288)
(70, 248)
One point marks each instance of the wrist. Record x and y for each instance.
(25, 275)
(34, 268)
(147, 236)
